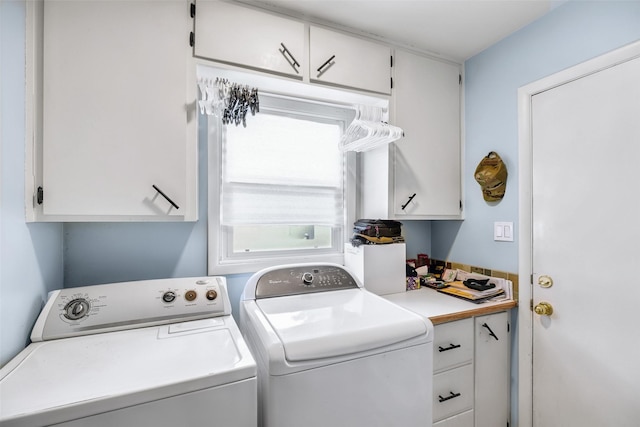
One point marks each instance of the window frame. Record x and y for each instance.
(220, 260)
(208, 135)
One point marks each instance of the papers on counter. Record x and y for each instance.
(503, 288)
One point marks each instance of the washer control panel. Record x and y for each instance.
(295, 280)
(117, 306)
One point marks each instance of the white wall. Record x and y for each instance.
(572, 33)
(30, 254)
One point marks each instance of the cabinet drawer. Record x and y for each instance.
(452, 392)
(452, 344)
(461, 420)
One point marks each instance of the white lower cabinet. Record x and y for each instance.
(492, 377)
(452, 392)
(461, 420)
(472, 372)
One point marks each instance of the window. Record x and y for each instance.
(281, 190)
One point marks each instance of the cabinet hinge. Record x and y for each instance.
(193, 10)
(391, 61)
(459, 79)
(192, 39)
(508, 327)
(531, 279)
(39, 195)
(461, 205)
(391, 82)
(531, 304)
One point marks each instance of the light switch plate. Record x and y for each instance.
(503, 231)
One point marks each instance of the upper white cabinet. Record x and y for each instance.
(426, 162)
(349, 61)
(260, 40)
(118, 112)
(242, 36)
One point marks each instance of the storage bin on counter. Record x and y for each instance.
(381, 268)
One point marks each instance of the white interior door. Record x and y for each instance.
(586, 238)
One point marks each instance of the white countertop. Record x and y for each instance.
(440, 308)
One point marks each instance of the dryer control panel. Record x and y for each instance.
(302, 279)
(126, 305)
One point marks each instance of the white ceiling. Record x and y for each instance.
(454, 29)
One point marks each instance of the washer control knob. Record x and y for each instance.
(190, 295)
(307, 278)
(169, 296)
(76, 309)
(211, 295)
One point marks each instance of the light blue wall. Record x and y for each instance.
(30, 254)
(572, 33)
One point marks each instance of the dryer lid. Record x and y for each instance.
(339, 323)
(65, 379)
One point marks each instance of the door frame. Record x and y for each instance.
(525, 237)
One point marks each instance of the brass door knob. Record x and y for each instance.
(543, 309)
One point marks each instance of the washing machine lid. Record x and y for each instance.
(338, 323)
(61, 380)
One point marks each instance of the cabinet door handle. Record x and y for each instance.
(325, 64)
(484, 325)
(284, 51)
(408, 201)
(452, 395)
(165, 196)
(451, 347)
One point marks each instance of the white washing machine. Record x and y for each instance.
(148, 353)
(330, 353)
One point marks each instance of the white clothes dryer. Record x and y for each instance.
(148, 353)
(330, 353)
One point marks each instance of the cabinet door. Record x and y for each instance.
(239, 35)
(427, 160)
(349, 61)
(492, 370)
(117, 118)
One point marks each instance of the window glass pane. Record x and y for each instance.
(280, 237)
(276, 149)
(285, 168)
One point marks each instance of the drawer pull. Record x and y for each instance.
(484, 325)
(451, 347)
(452, 395)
